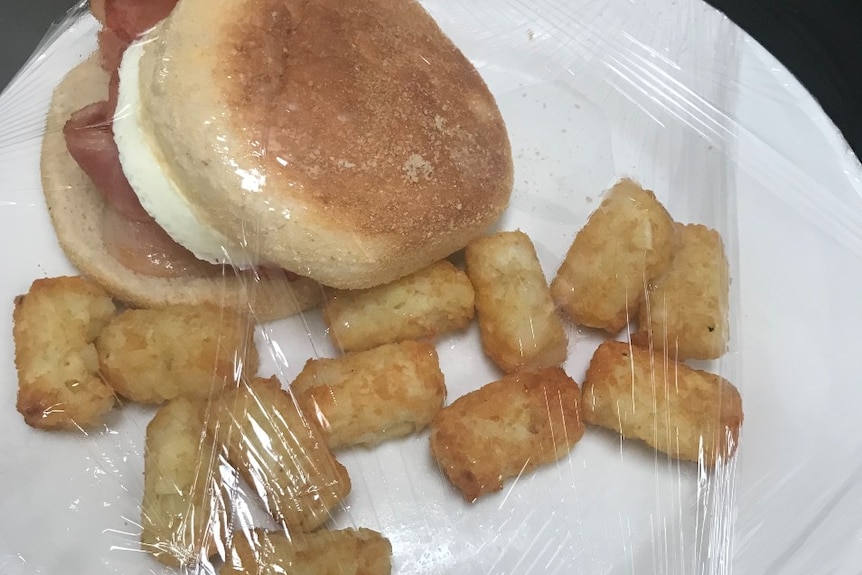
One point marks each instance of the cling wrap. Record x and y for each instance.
(262, 467)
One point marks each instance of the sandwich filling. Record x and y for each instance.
(156, 190)
(106, 142)
(381, 148)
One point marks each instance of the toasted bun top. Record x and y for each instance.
(76, 209)
(350, 142)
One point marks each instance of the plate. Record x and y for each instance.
(799, 205)
(670, 93)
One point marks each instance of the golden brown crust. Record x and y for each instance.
(279, 452)
(518, 322)
(76, 208)
(366, 397)
(338, 50)
(153, 356)
(55, 326)
(686, 413)
(686, 308)
(513, 425)
(344, 552)
(367, 144)
(184, 508)
(432, 301)
(627, 242)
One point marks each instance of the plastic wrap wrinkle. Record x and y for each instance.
(590, 91)
(837, 212)
(815, 190)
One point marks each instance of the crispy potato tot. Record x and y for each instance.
(627, 242)
(518, 322)
(365, 397)
(513, 425)
(344, 552)
(686, 413)
(55, 325)
(685, 311)
(184, 509)
(152, 356)
(280, 453)
(432, 301)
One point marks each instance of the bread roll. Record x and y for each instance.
(352, 140)
(76, 209)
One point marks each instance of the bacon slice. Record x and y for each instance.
(113, 93)
(111, 48)
(130, 234)
(144, 247)
(90, 140)
(131, 18)
(89, 132)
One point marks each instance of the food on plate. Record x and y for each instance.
(55, 326)
(686, 413)
(279, 452)
(184, 508)
(345, 552)
(152, 356)
(350, 164)
(517, 319)
(432, 301)
(685, 312)
(103, 244)
(627, 243)
(505, 428)
(365, 397)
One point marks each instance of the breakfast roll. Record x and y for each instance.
(280, 453)
(432, 301)
(524, 420)
(366, 397)
(686, 413)
(627, 242)
(518, 323)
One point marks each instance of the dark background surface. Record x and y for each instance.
(820, 41)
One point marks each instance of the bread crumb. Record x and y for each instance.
(416, 167)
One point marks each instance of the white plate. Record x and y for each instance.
(669, 92)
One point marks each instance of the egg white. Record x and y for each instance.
(158, 193)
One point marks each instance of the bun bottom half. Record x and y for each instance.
(76, 209)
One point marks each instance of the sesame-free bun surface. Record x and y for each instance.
(350, 142)
(76, 209)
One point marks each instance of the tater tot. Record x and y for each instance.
(686, 413)
(151, 356)
(55, 325)
(518, 322)
(627, 242)
(183, 512)
(686, 309)
(279, 453)
(505, 428)
(365, 397)
(344, 552)
(432, 301)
